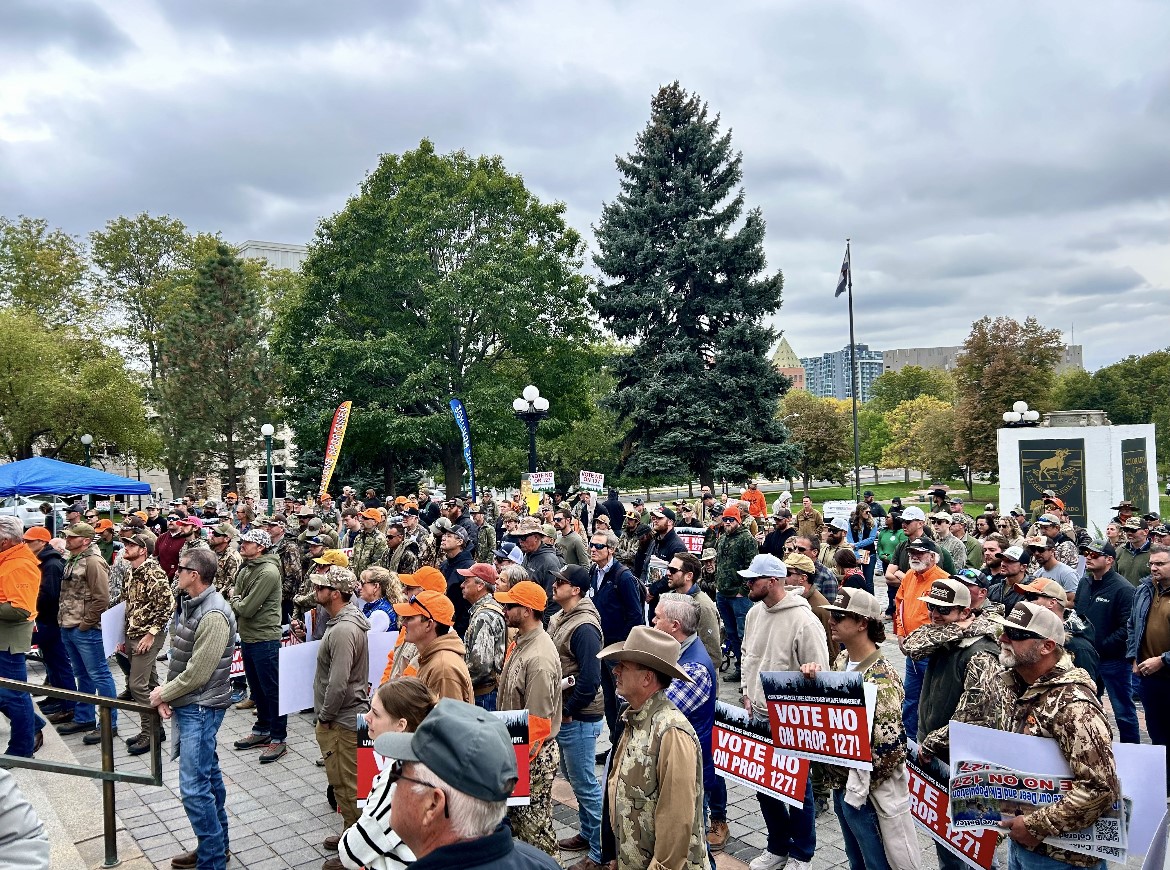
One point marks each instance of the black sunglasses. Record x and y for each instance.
(941, 610)
(395, 773)
(413, 599)
(593, 546)
(1036, 596)
(1018, 634)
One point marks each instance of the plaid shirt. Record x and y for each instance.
(825, 581)
(688, 697)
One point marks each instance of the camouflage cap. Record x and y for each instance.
(80, 530)
(257, 536)
(337, 577)
(226, 530)
(708, 555)
(1037, 620)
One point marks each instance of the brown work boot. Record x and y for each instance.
(717, 836)
(575, 843)
(190, 859)
(333, 863)
(331, 842)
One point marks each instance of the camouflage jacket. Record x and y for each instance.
(149, 602)
(733, 553)
(288, 551)
(403, 559)
(369, 548)
(486, 640)
(626, 551)
(485, 546)
(225, 575)
(428, 553)
(981, 700)
(888, 736)
(657, 822)
(1063, 705)
(118, 572)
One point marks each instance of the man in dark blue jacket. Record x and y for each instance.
(1105, 598)
(618, 599)
(457, 549)
(58, 670)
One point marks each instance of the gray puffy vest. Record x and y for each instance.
(217, 691)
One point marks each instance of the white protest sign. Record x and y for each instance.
(542, 481)
(592, 481)
(380, 643)
(830, 510)
(298, 667)
(113, 628)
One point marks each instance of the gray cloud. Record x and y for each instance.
(28, 27)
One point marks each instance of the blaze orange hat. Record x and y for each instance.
(231, 495)
(102, 526)
(37, 533)
(527, 593)
(428, 578)
(372, 514)
(433, 605)
(142, 515)
(732, 513)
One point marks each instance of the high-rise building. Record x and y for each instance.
(786, 361)
(280, 255)
(830, 375)
(1072, 357)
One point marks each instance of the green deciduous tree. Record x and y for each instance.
(687, 289)
(444, 277)
(893, 388)
(823, 434)
(874, 433)
(922, 435)
(43, 271)
(1003, 361)
(221, 382)
(56, 384)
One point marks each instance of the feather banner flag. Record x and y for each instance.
(333, 444)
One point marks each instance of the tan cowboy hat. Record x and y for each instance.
(649, 647)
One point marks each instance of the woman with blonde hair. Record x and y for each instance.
(1010, 529)
(863, 534)
(398, 706)
(379, 591)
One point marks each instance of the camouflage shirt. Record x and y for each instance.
(486, 639)
(289, 553)
(888, 736)
(485, 546)
(149, 602)
(1063, 705)
(118, 572)
(627, 549)
(225, 575)
(403, 559)
(369, 548)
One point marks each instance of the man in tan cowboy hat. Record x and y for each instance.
(658, 754)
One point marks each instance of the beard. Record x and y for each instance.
(1006, 659)
(918, 565)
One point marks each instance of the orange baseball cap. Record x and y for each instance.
(526, 593)
(428, 578)
(102, 526)
(433, 605)
(37, 533)
(372, 514)
(732, 513)
(231, 495)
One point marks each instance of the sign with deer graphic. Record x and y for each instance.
(1058, 466)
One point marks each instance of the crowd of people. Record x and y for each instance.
(589, 613)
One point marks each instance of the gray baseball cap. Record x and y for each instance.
(467, 747)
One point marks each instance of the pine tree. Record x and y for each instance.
(688, 290)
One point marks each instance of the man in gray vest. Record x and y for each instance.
(196, 694)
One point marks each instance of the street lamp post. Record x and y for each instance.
(268, 430)
(87, 440)
(1021, 415)
(531, 408)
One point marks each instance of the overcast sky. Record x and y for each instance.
(992, 158)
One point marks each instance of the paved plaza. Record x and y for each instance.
(279, 816)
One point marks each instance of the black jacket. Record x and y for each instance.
(774, 541)
(450, 569)
(615, 510)
(497, 851)
(1106, 604)
(49, 595)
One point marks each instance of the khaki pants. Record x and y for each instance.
(339, 747)
(143, 676)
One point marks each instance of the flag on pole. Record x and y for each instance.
(843, 281)
(464, 430)
(333, 444)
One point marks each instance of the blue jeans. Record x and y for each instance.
(578, 743)
(1155, 695)
(1020, 858)
(915, 671)
(201, 784)
(862, 836)
(1116, 680)
(734, 613)
(717, 799)
(88, 657)
(18, 706)
(791, 831)
(262, 668)
(58, 670)
(488, 701)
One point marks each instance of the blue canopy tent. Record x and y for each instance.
(49, 476)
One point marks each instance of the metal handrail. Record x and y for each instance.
(107, 774)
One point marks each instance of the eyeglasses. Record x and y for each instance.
(941, 522)
(595, 546)
(188, 568)
(512, 606)
(395, 773)
(799, 549)
(671, 570)
(837, 615)
(1036, 596)
(729, 520)
(941, 610)
(1018, 634)
(415, 602)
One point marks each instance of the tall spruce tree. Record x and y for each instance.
(688, 291)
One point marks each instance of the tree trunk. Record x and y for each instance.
(706, 478)
(907, 471)
(178, 483)
(806, 480)
(452, 456)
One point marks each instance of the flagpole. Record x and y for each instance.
(856, 378)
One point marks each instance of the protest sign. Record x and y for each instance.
(592, 481)
(693, 537)
(113, 628)
(930, 805)
(297, 665)
(542, 481)
(237, 668)
(830, 510)
(1140, 767)
(823, 718)
(743, 751)
(370, 763)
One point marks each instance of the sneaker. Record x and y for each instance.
(768, 861)
(252, 741)
(72, 727)
(246, 704)
(94, 737)
(717, 836)
(799, 865)
(272, 752)
(239, 695)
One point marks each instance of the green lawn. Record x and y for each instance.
(883, 492)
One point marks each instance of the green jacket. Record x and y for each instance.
(733, 553)
(256, 601)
